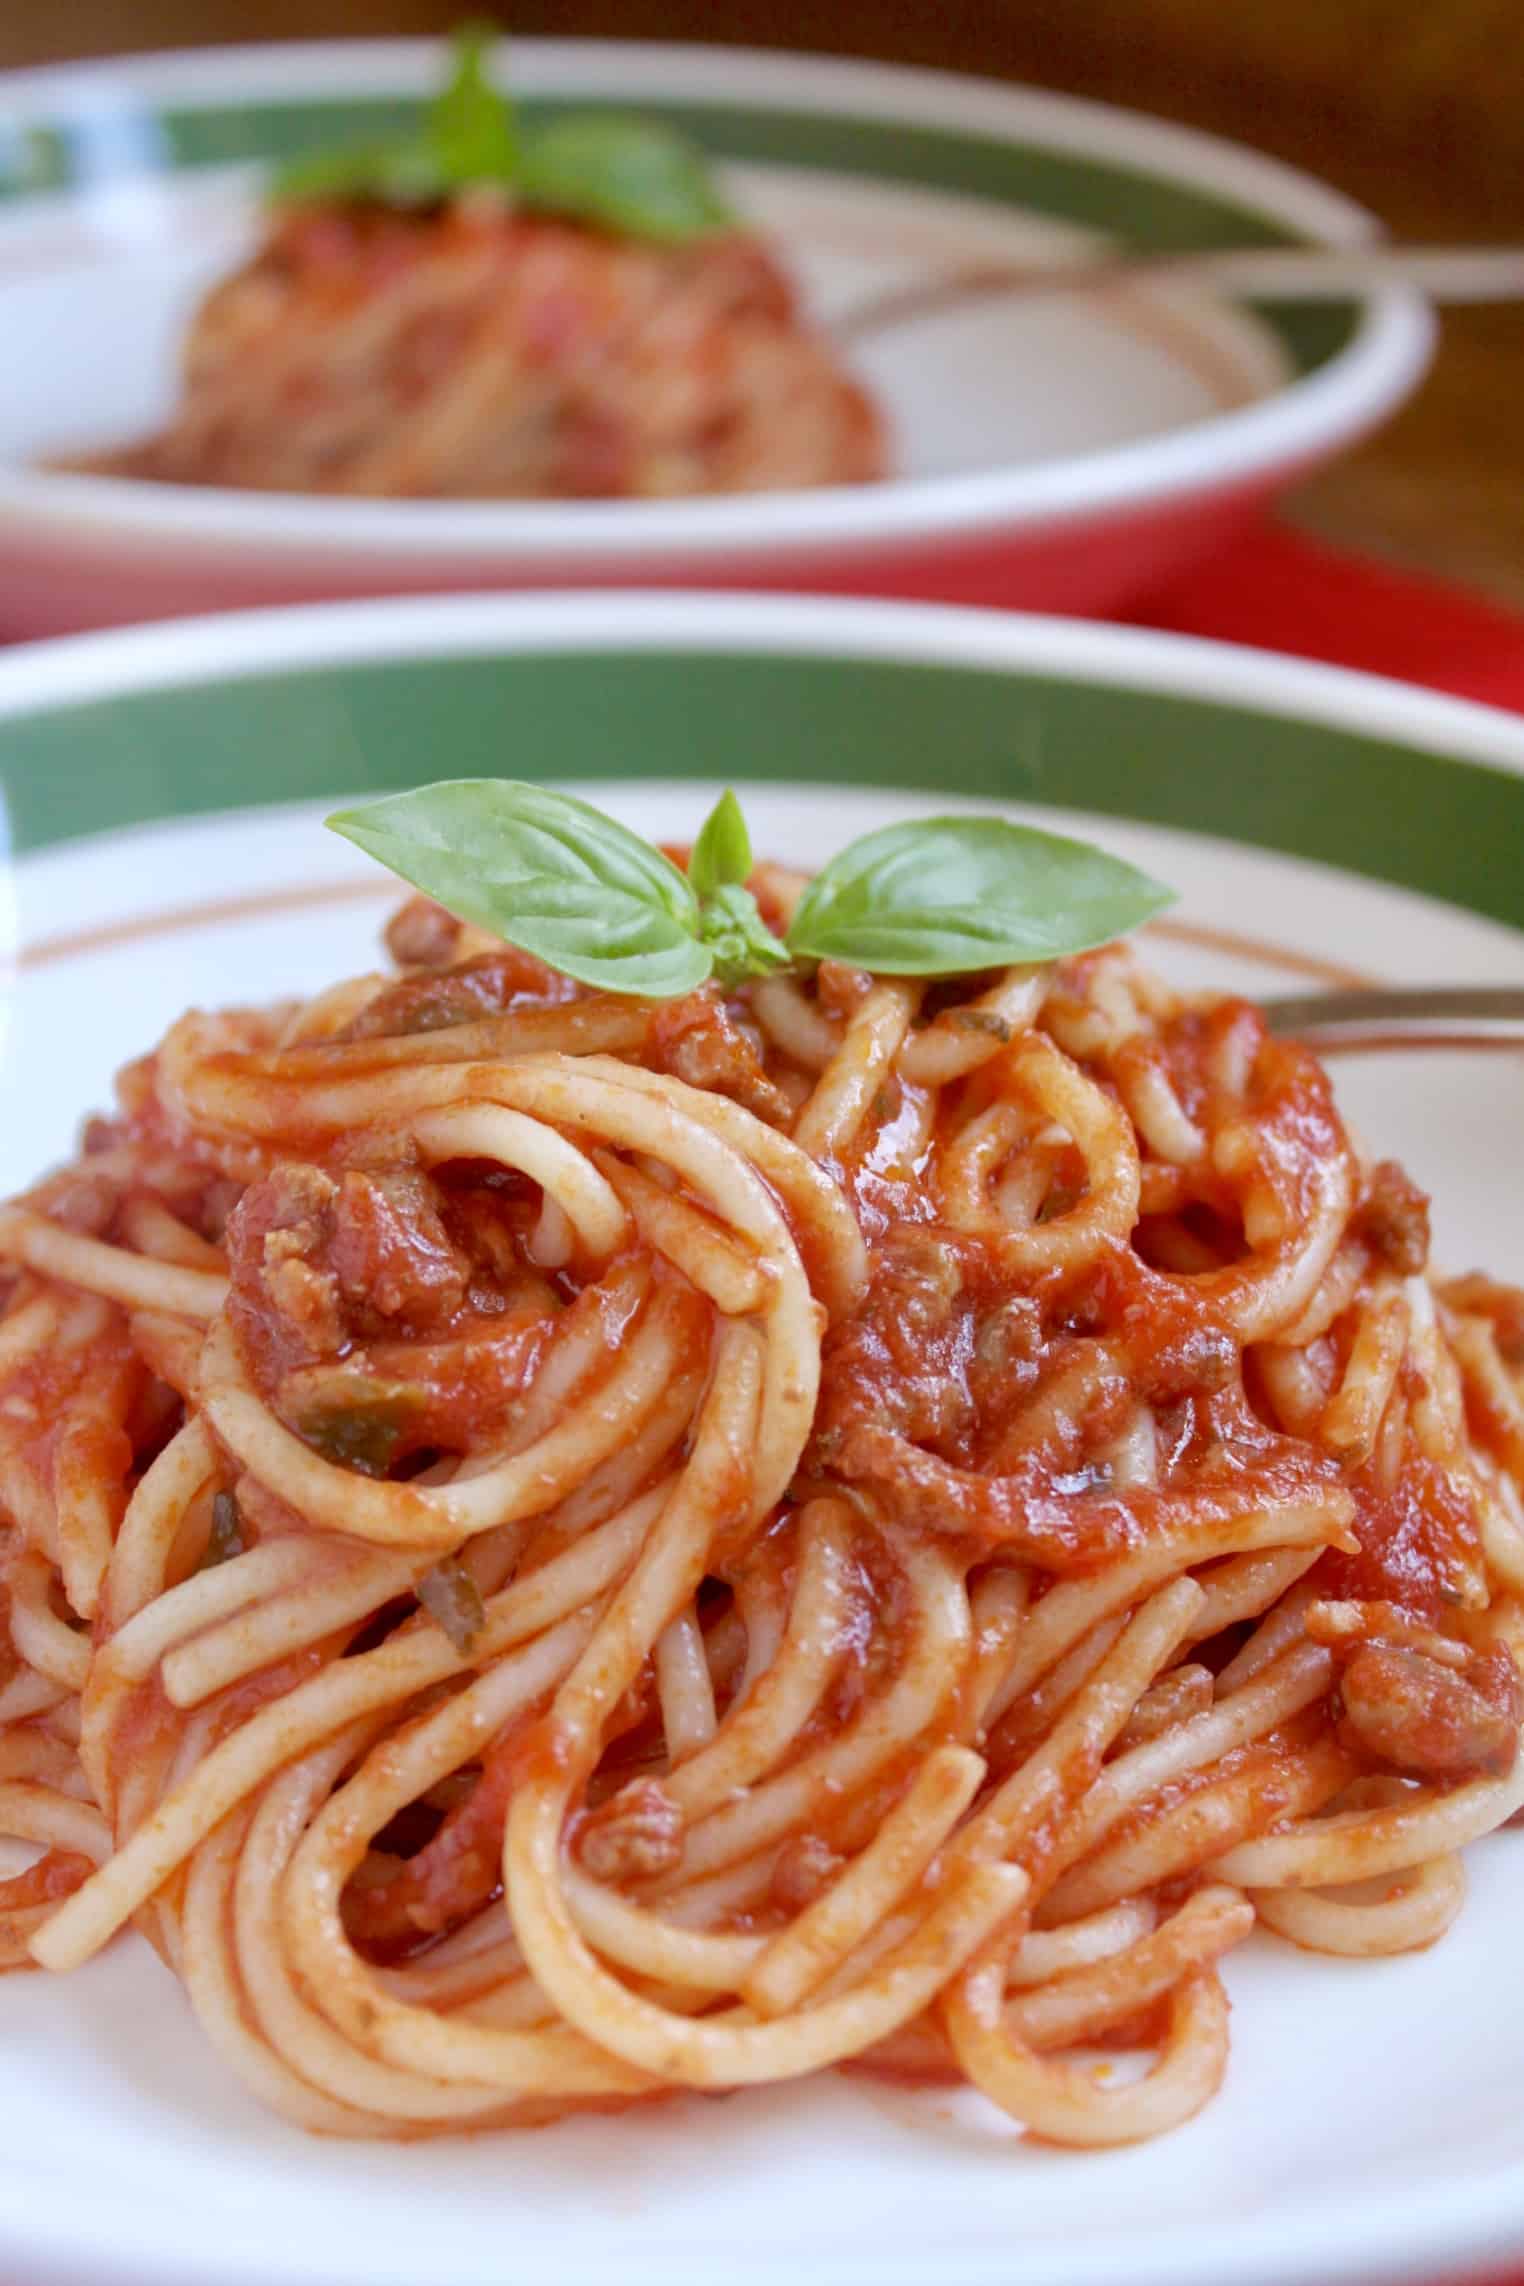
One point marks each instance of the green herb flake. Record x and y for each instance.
(453, 1601)
(980, 1020)
(225, 1539)
(365, 1426)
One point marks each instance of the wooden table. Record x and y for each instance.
(1412, 109)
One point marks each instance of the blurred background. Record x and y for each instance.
(1415, 109)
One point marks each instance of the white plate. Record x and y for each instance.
(1055, 451)
(1370, 2123)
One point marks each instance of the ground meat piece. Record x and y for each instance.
(490, 985)
(805, 1869)
(1008, 1339)
(697, 1039)
(1393, 1219)
(306, 1300)
(453, 1874)
(390, 1251)
(635, 1836)
(78, 1200)
(841, 989)
(1477, 1295)
(422, 935)
(101, 1134)
(1204, 1360)
(318, 1262)
(903, 1362)
(491, 1221)
(1157, 1323)
(1424, 1718)
(285, 1296)
(924, 1276)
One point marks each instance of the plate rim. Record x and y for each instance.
(1237, 449)
(59, 671)
(775, 78)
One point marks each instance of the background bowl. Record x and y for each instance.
(1049, 451)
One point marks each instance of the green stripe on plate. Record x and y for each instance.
(1368, 805)
(1139, 208)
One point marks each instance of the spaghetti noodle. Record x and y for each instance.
(479, 352)
(563, 1548)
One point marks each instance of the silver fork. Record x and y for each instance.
(1453, 1014)
(1308, 273)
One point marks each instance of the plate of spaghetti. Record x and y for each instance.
(712, 1416)
(384, 320)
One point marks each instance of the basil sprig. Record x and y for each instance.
(562, 880)
(630, 176)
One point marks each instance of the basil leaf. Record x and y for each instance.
(723, 850)
(470, 126)
(738, 938)
(547, 872)
(625, 175)
(399, 174)
(947, 895)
